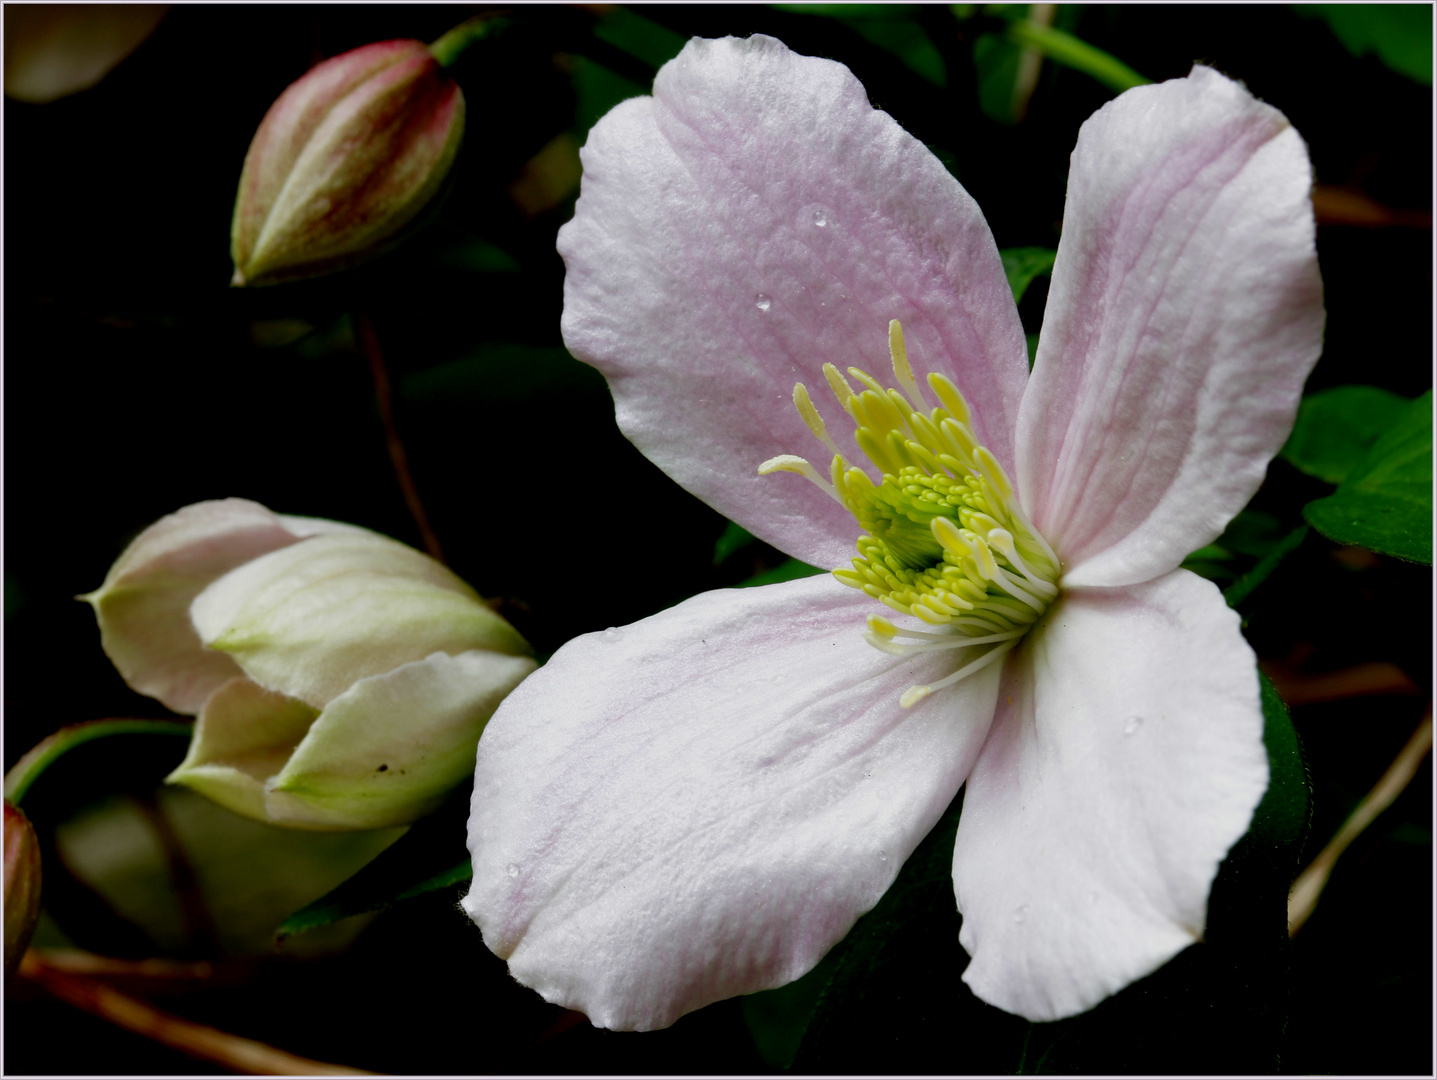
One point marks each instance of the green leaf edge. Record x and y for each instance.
(1330, 515)
(339, 904)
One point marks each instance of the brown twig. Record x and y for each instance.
(369, 342)
(1361, 680)
(196, 1040)
(1309, 884)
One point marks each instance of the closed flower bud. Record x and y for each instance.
(340, 679)
(344, 161)
(22, 885)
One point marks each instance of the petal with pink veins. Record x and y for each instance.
(1125, 761)
(702, 803)
(1185, 313)
(753, 219)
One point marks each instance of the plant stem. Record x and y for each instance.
(1064, 48)
(197, 1040)
(452, 43)
(369, 341)
(46, 752)
(1309, 884)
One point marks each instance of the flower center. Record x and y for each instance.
(945, 539)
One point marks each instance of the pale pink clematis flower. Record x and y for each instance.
(701, 804)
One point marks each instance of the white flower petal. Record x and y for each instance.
(1127, 758)
(1185, 313)
(753, 219)
(701, 804)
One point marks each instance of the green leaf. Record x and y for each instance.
(996, 61)
(641, 38)
(1385, 503)
(889, 26)
(733, 539)
(597, 90)
(1024, 264)
(1335, 429)
(424, 860)
(778, 1019)
(1282, 818)
(1400, 34)
(355, 899)
(499, 373)
(788, 570)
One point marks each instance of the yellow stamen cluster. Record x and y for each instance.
(946, 540)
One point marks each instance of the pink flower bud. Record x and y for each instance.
(344, 161)
(22, 885)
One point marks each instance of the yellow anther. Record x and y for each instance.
(839, 385)
(902, 370)
(790, 463)
(950, 397)
(994, 473)
(884, 628)
(913, 695)
(986, 566)
(804, 404)
(948, 534)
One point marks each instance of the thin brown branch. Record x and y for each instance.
(1309, 884)
(196, 1040)
(369, 342)
(1377, 677)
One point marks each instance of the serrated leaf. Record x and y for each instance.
(1336, 428)
(1385, 503)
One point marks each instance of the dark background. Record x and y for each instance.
(137, 381)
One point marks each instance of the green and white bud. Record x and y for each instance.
(355, 673)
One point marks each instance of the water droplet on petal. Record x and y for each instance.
(1021, 913)
(883, 856)
(1132, 725)
(613, 633)
(820, 218)
(513, 869)
(763, 302)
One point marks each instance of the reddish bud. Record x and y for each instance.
(22, 885)
(344, 161)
